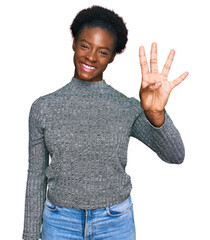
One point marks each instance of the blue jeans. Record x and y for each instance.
(114, 222)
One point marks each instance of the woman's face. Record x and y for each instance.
(93, 51)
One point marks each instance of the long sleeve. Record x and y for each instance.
(166, 140)
(38, 160)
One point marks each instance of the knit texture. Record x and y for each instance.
(85, 128)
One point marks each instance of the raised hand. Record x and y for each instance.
(155, 87)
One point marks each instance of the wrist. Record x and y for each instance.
(156, 118)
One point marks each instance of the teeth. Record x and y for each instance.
(86, 66)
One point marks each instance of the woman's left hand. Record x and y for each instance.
(155, 87)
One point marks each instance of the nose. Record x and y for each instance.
(91, 56)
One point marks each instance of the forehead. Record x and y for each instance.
(97, 36)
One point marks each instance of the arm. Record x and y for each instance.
(165, 140)
(153, 125)
(35, 194)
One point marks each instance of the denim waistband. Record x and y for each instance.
(124, 204)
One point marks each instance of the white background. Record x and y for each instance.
(170, 201)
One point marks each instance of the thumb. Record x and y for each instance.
(154, 86)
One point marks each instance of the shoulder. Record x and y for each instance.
(117, 94)
(135, 106)
(36, 109)
(45, 100)
(133, 103)
(58, 92)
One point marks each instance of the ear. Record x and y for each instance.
(112, 58)
(74, 44)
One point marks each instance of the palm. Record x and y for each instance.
(154, 98)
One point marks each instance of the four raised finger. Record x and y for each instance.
(177, 81)
(143, 60)
(168, 63)
(153, 58)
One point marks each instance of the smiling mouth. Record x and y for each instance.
(87, 68)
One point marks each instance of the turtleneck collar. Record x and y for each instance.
(86, 84)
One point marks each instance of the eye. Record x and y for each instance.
(84, 46)
(103, 53)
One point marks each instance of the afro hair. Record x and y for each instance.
(97, 16)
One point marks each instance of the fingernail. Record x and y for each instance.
(157, 84)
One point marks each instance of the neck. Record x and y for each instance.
(78, 83)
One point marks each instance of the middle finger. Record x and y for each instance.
(153, 58)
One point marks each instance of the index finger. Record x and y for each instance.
(143, 60)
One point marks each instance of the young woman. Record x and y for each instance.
(85, 128)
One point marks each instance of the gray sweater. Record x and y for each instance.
(85, 128)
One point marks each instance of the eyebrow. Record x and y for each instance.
(83, 40)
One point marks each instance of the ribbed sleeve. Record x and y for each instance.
(166, 140)
(36, 181)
